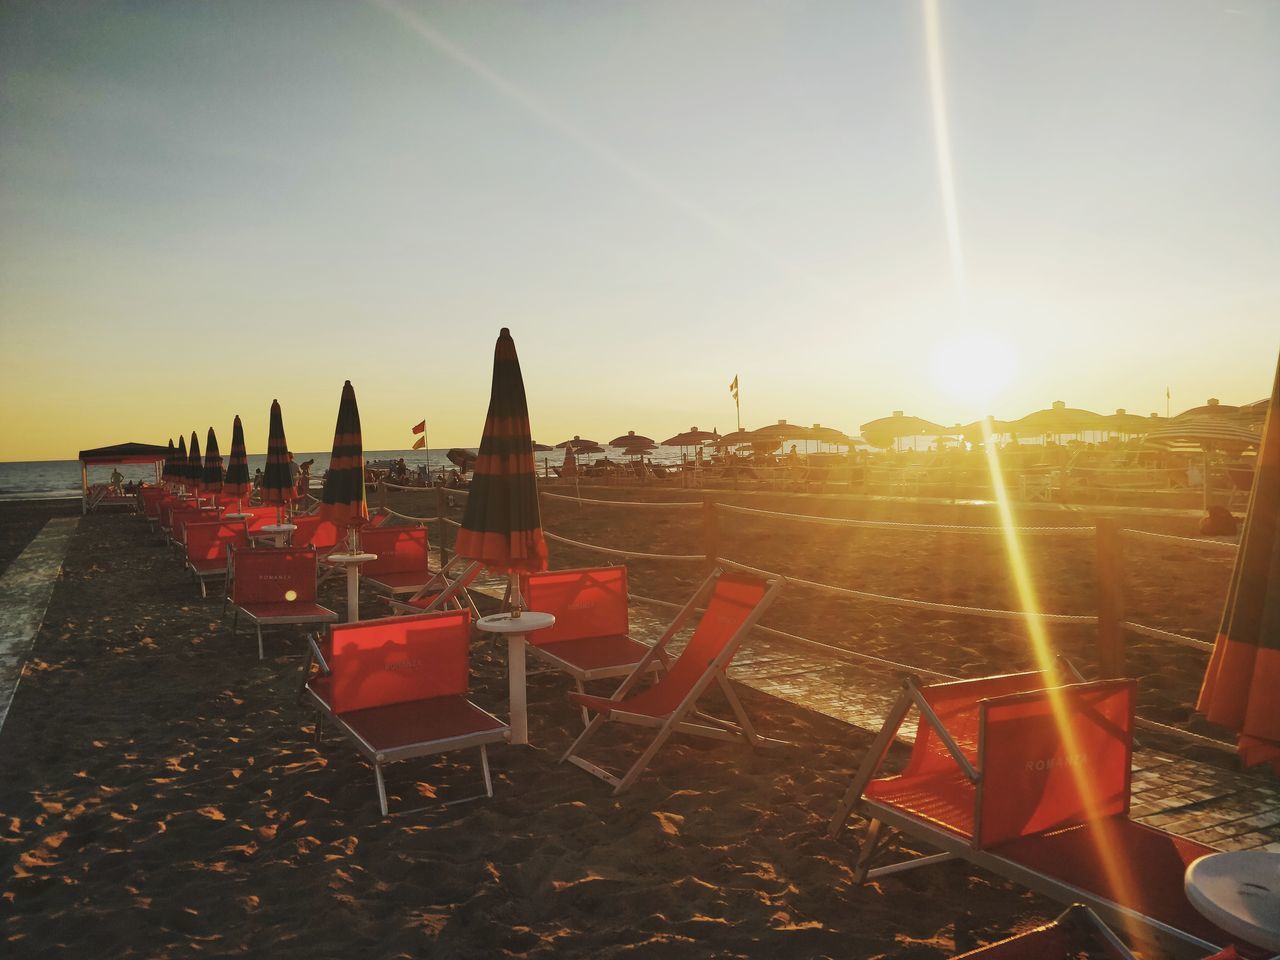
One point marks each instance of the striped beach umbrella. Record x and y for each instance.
(211, 479)
(502, 527)
(277, 484)
(194, 467)
(237, 483)
(343, 501)
(180, 463)
(1244, 671)
(167, 475)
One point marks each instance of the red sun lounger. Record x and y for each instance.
(993, 779)
(207, 545)
(274, 585)
(316, 532)
(397, 688)
(445, 589)
(401, 567)
(591, 637)
(734, 603)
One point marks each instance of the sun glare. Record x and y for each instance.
(974, 368)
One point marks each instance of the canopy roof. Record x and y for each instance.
(131, 452)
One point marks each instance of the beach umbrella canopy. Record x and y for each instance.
(1122, 422)
(180, 461)
(502, 526)
(343, 501)
(729, 439)
(1239, 690)
(1213, 407)
(576, 442)
(170, 458)
(692, 437)
(974, 432)
(631, 439)
(542, 448)
(1059, 419)
(194, 467)
(830, 435)
(780, 432)
(277, 484)
(237, 483)
(884, 431)
(464, 460)
(211, 478)
(570, 467)
(1203, 433)
(586, 448)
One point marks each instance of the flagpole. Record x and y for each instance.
(426, 446)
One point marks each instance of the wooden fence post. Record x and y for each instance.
(1110, 574)
(710, 531)
(442, 527)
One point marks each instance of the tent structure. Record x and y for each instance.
(119, 453)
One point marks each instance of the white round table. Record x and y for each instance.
(515, 629)
(278, 531)
(1240, 892)
(237, 516)
(352, 562)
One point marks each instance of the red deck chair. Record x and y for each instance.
(314, 531)
(397, 688)
(207, 545)
(274, 585)
(735, 602)
(179, 518)
(444, 590)
(401, 566)
(150, 498)
(993, 780)
(1076, 930)
(591, 637)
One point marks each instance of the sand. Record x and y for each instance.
(161, 793)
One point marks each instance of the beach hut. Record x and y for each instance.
(117, 455)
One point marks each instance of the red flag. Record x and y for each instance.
(419, 443)
(420, 428)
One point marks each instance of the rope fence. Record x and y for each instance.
(631, 554)
(1197, 543)
(1155, 633)
(910, 527)
(623, 503)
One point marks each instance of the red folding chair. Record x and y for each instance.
(1031, 780)
(397, 688)
(734, 604)
(445, 589)
(402, 566)
(178, 520)
(273, 585)
(207, 545)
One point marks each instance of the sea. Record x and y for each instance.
(58, 479)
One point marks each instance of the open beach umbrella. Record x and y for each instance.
(1239, 690)
(343, 500)
(277, 484)
(464, 460)
(693, 437)
(237, 483)
(731, 439)
(194, 467)
(1131, 423)
(1059, 419)
(885, 431)
(831, 435)
(1205, 434)
(576, 443)
(502, 526)
(580, 448)
(1213, 407)
(180, 462)
(211, 478)
(631, 439)
(542, 448)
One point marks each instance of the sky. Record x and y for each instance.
(949, 208)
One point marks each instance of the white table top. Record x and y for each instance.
(350, 557)
(278, 528)
(527, 622)
(1240, 892)
(236, 516)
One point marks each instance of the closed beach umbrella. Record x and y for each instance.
(570, 467)
(277, 484)
(502, 527)
(180, 462)
(237, 483)
(167, 475)
(1239, 690)
(343, 500)
(211, 479)
(194, 467)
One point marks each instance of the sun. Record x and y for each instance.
(974, 367)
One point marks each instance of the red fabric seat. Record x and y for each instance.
(945, 799)
(594, 654)
(404, 726)
(301, 611)
(401, 565)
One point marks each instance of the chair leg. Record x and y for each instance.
(484, 765)
(739, 711)
(259, 626)
(204, 594)
(382, 787)
(637, 768)
(586, 717)
(319, 727)
(596, 723)
(868, 850)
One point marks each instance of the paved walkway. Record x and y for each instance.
(25, 589)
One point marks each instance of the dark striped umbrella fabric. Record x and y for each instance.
(1239, 690)
(194, 467)
(502, 527)
(211, 479)
(180, 462)
(277, 484)
(237, 483)
(343, 501)
(167, 475)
